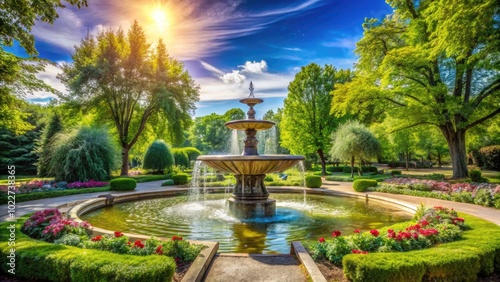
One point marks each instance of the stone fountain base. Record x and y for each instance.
(252, 208)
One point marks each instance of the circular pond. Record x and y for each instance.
(296, 219)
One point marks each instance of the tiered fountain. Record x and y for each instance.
(250, 197)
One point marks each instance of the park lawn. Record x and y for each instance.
(4, 179)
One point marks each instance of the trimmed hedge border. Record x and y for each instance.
(123, 184)
(476, 254)
(360, 185)
(24, 197)
(40, 260)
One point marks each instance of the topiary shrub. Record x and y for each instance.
(396, 172)
(347, 169)
(158, 157)
(123, 184)
(475, 175)
(180, 179)
(313, 181)
(360, 185)
(268, 178)
(192, 153)
(181, 158)
(168, 182)
(336, 169)
(491, 156)
(83, 154)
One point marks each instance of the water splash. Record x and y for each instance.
(194, 188)
(235, 143)
(302, 173)
(271, 142)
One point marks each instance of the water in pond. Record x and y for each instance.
(210, 220)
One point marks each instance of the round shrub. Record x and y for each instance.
(268, 178)
(313, 181)
(395, 172)
(360, 185)
(483, 197)
(475, 175)
(168, 182)
(180, 157)
(158, 157)
(83, 154)
(192, 152)
(491, 156)
(180, 179)
(123, 184)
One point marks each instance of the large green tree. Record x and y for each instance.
(430, 62)
(307, 124)
(129, 82)
(18, 75)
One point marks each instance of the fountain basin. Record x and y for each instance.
(251, 165)
(245, 124)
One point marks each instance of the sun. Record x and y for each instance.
(160, 17)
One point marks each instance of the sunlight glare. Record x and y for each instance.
(160, 17)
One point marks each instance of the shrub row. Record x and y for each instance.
(180, 179)
(40, 260)
(51, 194)
(477, 254)
(360, 185)
(347, 169)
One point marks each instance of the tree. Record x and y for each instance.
(431, 62)
(17, 75)
(181, 158)
(273, 139)
(307, 124)
(128, 82)
(85, 153)
(43, 149)
(352, 141)
(158, 157)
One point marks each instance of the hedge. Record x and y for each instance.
(313, 181)
(180, 179)
(23, 197)
(478, 253)
(360, 185)
(347, 169)
(123, 184)
(40, 260)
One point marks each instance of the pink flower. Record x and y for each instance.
(336, 233)
(374, 232)
(321, 240)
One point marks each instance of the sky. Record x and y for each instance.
(224, 44)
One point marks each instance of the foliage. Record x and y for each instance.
(395, 172)
(130, 84)
(209, 135)
(123, 184)
(43, 148)
(417, 66)
(83, 154)
(192, 153)
(168, 182)
(360, 185)
(307, 124)
(181, 158)
(180, 179)
(148, 178)
(353, 140)
(49, 225)
(475, 175)
(37, 260)
(491, 157)
(437, 225)
(313, 181)
(50, 194)
(463, 260)
(158, 157)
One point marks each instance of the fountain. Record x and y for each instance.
(250, 197)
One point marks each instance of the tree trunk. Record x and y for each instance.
(352, 167)
(456, 145)
(323, 163)
(407, 156)
(439, 159)
(124, 170)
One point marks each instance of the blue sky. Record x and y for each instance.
(224, 44)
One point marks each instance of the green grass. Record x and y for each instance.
(346, 177)
(52, 194)
(45, 261)
(476, 254)
(22, 178)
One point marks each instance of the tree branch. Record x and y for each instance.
(413, 125)
(490, 115)
(395, 102)
(487, 91)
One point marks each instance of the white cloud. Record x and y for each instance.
(349, 43)
(49, 77)
(233, 77)
(293, 49)
(65, 33)
(211, 68)
(254, 67)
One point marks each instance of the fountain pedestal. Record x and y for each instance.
(252, 208)
(250, 197)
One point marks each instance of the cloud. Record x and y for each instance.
(233, 77)
(211, 68)
(293, 49)
(49, 77)
(65, 33)
(348, 43)
(254, 67)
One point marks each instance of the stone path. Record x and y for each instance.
(255, 268)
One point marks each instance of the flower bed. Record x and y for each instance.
(475, 193)
(476, 253)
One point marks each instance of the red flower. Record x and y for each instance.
(118, 234)
(96, 238)
(321, 240)
(138, 244)
(356, 231)
(176, 238)
(375, 232)
(424, 222)
(359, 252)
(159, 250)
(129, 243)
(336, 233)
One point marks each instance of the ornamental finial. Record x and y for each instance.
(251, 90)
